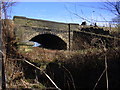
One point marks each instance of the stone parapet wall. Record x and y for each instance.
(23, 21)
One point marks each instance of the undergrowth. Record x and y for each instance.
(68, 69)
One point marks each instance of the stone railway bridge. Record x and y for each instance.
(55, 35)
(50, 34)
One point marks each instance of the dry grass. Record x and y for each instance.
(40, 54)
(79, 63)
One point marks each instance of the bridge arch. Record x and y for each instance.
(50, 41)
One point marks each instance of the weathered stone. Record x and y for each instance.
(27, 28)
(29, 43)
(60, 36)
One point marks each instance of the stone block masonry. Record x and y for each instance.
(61, 36)
(27, 28)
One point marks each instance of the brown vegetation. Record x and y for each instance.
(80, 68)
(68, 69)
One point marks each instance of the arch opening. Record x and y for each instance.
(50, 41)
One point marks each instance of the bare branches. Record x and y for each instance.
(113, 7)
(4, 8)
(74, 13)
(44, 73)
(99, 79)
(106, 66)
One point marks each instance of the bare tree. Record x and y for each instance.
(5, 33)
(5, 5)
(113, 7)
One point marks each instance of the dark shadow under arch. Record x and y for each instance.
(50, 41)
